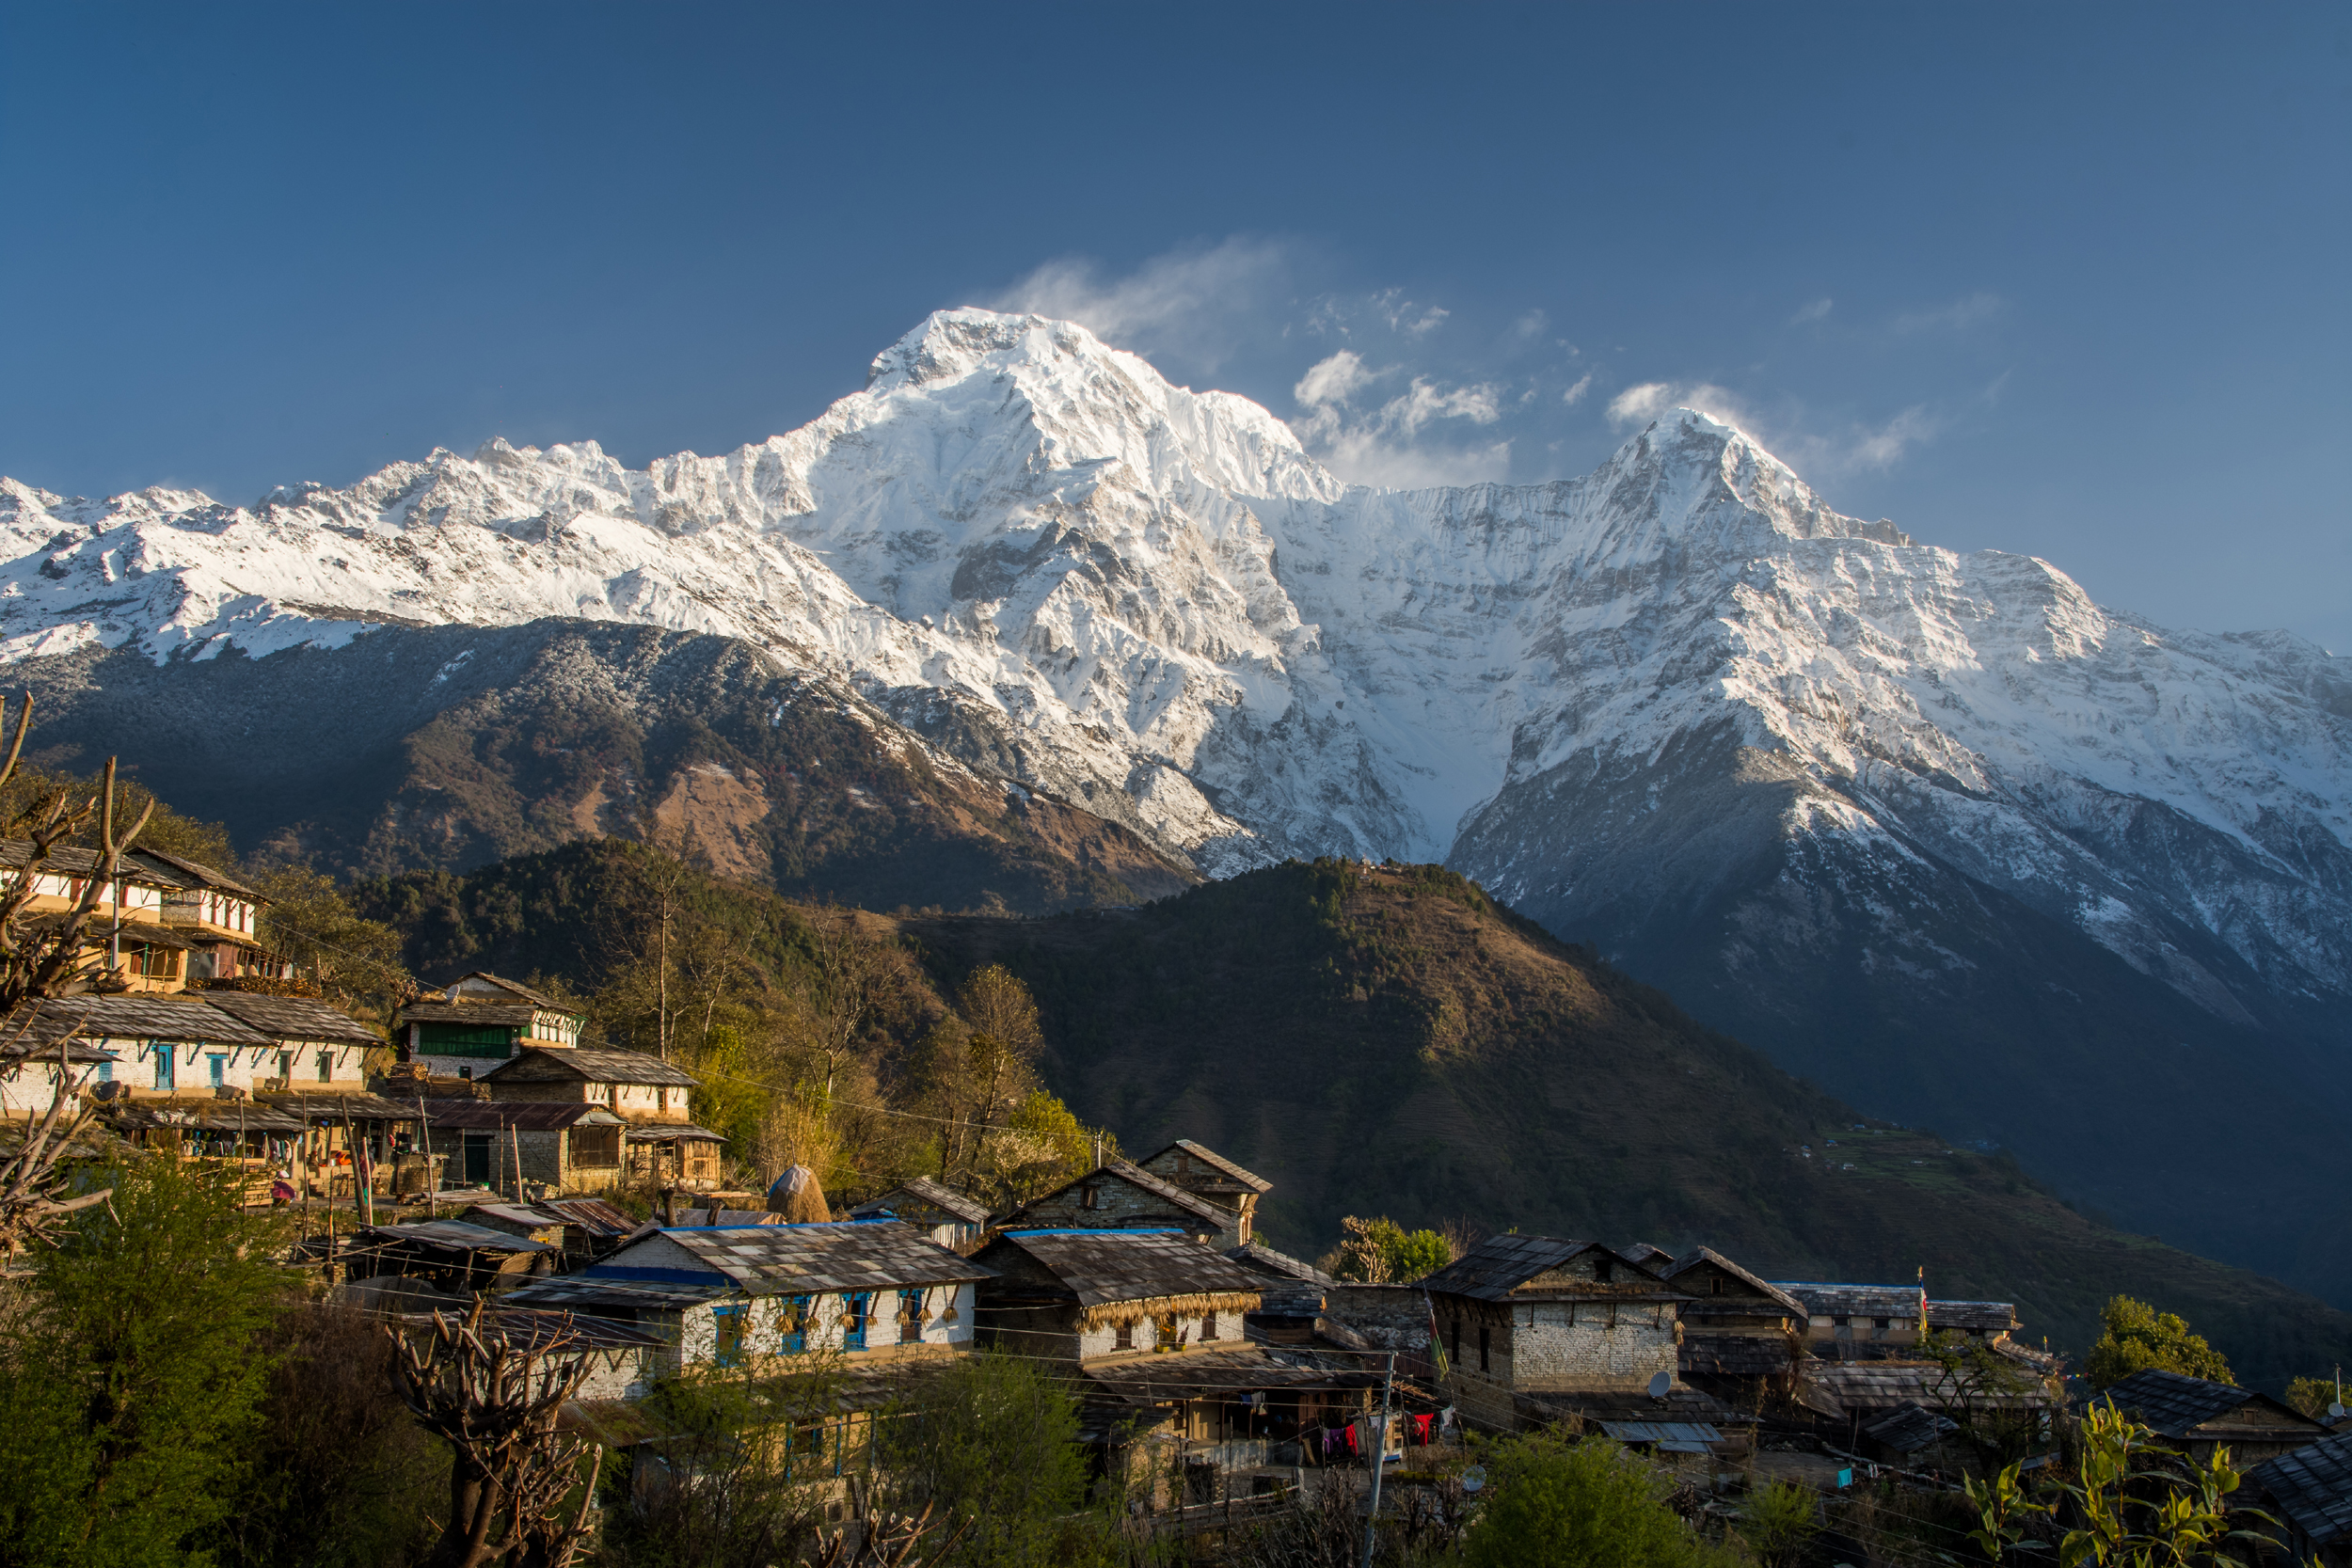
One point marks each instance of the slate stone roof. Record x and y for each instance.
(923, 1190)
(589, 1290)
(292, 1018)
(330, 1105)
(1652, 1258)
(1150, 1380)
(1984, 1317)
(211, 1115)
(1909, 1427)
(1863, 1386)
(1281, 1265)
(526, 1115)
(1898, 1302)
(129, 1017)
(2311, 1487)
(1499, 1265)
(1161, 1188)
(1690, 1261)
(505, 985)
(181, 872)
(2176, 1406)
(670, 1132)
(16, 1046)
(503, 1015)
(1097, 1267)
(544, 1064)
(1216, 1162)
(770, 1259)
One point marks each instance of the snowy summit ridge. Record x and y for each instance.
(1160, 605)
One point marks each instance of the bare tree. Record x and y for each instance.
(493, 1396)
(851, 977)
(41, 958)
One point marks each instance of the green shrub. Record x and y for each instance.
(1583, 1504)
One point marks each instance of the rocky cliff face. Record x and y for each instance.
(1933, 827)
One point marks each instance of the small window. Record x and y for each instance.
(1208, 1326)
(326, 1066)
(105, 1073)
(285, 1066)
(729, 1342)
(217, 1070)
(1124, 1337)
(1715, 1286)
(1169, 1337)
(856, 1312)
(1601, 1270)
(1090, 1197)
(167, 1064)
(792, 1324)
(910, 1317)
(1483, 1334)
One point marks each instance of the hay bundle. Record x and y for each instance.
(1153, 1308)
(797, 1197)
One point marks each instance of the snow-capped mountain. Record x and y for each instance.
(1676, 703)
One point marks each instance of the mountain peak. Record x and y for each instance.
(947, 344)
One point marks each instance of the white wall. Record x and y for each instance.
(242, 1067)
(699, 1331)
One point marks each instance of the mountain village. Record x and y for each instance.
(488, 1165)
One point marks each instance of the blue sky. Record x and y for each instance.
(2066, 279)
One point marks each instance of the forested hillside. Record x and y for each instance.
(1383, 1041)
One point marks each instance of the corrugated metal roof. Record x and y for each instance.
(616, 1294)
(2312, 1487)
(1100, 1266)
(1681, 1436)
(592, 1215)
(769, 1260)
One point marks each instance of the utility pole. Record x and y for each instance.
(1380, 1446)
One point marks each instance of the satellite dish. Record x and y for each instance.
(2337, 1410)
(1660, 1385)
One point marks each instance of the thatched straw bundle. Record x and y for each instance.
(797, 1197)
(1152, 1307)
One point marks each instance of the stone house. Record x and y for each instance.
(1847, 1322)
(1535, 1327)
(1206, 1174)
(2308, 1493)
(2196, 1416)
(1152, 1324)
(948, 1217)
(1743, 1337)
(1988, 1322)
(1295, 1293)
(456, 1258)
(1117, 1196)
(749, 1295)
(660, 1143)
(561, 1146)
(477, 1023)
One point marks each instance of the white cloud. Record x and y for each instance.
(1812, 312)
(1883, 448)
(1639, 404)
(1191, 303)
(1964, 312)
(1333, 380)
(1532, 324)
(1575, 394)
(1424, 400)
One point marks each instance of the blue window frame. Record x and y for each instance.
(217, 1070)
(910, 1317)
(167, 1062)
(792, 1324)
(728, 1325)
(857, 1312)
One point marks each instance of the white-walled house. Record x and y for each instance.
(736, 1295)
(479, 1021)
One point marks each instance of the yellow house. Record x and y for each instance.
(165, 922)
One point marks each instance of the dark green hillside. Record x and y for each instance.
(1395, 1042)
